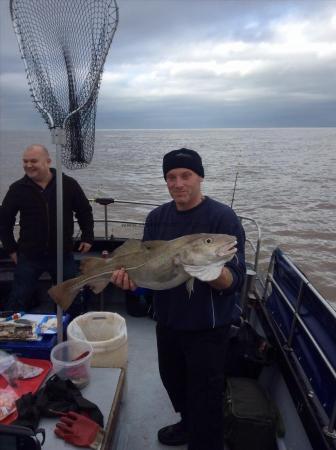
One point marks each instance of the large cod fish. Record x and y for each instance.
(156, 265)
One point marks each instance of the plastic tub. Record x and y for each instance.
(71, 360)
(107, 333)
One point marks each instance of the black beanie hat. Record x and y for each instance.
(188, 159)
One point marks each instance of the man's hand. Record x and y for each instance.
(13, 257)
(84, 247)
(224, 280)
(121, 279)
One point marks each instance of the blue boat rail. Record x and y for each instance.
(305, 325)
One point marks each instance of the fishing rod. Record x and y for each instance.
(236, 179)
(234, 188)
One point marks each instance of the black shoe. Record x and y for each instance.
(173, 434)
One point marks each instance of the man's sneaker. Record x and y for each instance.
(173, 434)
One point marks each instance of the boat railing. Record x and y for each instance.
(110, 206)
(253, 239)
(108, 203)
(303, 318)
(126, 222)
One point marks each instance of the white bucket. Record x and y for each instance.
(107, 334)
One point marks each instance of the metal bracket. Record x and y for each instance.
(58, 136)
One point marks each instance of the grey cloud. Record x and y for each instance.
(286, 91)
(187, 113)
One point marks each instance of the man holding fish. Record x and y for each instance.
(193, 318)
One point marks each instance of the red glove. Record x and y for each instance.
(79, 430)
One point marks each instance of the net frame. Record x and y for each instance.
(64, 46)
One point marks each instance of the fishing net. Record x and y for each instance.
(64, 44)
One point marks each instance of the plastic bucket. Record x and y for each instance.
(71, 360)
(107, 333)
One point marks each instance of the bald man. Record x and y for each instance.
(34, 197)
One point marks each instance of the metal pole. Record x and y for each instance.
(58, 135)
(106, 223)
(105, 255)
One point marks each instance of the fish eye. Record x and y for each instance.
(208, 240)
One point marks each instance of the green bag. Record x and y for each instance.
(251, 419)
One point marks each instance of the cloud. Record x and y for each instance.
(202, 58)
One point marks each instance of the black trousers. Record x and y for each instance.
(191, 365)
(26, 275)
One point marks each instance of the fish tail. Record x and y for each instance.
(64, 293)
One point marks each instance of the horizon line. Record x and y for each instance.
(191, 128)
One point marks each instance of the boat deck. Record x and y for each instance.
(145, 407)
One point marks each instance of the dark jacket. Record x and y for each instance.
(207, 307)
(38, 221)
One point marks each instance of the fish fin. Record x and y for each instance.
(99, 284)
(152, 245)
(130, 246)
(91, 263)
(64, 293)
(205, 273)
(190, 286)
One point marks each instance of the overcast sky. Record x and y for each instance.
(194, 64)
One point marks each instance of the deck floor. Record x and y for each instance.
(146, 406)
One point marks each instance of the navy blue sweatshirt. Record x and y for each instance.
(206, 307)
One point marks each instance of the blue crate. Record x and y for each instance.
(34, 349)
(31, 349)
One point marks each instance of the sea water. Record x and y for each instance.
(285, 181)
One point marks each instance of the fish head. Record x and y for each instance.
(208, 249)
